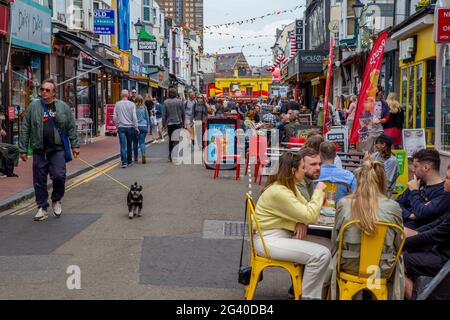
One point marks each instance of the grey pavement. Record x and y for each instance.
(185, 246)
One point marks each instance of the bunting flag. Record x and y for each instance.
(293, 42)
(367, 94)
(251, 20)
(240, 37)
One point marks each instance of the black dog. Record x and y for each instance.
(135, 201)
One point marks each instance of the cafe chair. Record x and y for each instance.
(369, 256)
(258, 263)
(221, 157)
(257, 147)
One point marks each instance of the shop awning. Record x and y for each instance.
(83, 47)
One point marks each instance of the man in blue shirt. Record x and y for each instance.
(329, 172)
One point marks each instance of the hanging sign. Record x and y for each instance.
(104, 22)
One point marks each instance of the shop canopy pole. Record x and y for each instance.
(81, 74)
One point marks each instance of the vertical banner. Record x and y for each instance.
(327, 87)
(367, 94)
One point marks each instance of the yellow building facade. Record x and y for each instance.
(241, 87)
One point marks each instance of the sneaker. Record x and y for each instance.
(124, 165)
(2, 175)
(130, 215)
(57, 208)
(130, 164)
(144, 160)
(41, 215)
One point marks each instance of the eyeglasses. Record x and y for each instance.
(45, 90)
(133, 91)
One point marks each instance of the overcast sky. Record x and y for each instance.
(225, 11)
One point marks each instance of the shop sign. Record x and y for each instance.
(310, 61)
(86, 62)
(147, 45)
(111, 53)
(123, 63)
(4, 20)
(31, 26)
(135, 66)
(401, 183)
(299, 34)
(442, 29)
(104, 22)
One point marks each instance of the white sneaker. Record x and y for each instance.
(130, 215)
(41, 215)
(57, 208)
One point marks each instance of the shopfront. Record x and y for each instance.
(29, 63)
(417, 54)
(4, 30)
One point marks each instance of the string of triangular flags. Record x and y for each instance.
(251, 20)
(244, 46)
(240, 37)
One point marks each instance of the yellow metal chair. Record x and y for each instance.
(258, 264)
(370, 254)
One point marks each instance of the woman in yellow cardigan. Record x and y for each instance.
(283, 215)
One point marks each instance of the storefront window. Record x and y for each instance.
(445, 103)
(430, 101)
(418, 109)
(83, 107)
(411, 109)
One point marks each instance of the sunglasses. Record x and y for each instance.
(46, 90)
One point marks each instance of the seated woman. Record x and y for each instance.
(283, 215)
(368, 204)
(383, 145)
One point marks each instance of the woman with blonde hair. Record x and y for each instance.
(393, 127)
(144, 126)
(369, 204)
(283, 215)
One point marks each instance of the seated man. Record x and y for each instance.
(9, 154)
(428, 247)
(425, 201)
(330, 172)
(312, 172)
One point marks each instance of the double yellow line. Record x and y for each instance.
(76, 183)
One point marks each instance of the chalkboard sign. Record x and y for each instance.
(338, 135)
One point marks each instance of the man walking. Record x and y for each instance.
(173, 117)
(127, 124)
(48, 151)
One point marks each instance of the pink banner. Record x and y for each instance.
(367, 94)
(327, 87)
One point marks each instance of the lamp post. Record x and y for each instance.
(358, 9)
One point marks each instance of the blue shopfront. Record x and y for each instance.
(136, 78)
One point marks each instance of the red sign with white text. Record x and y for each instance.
(367, 95)
(442, 25)
(4, 20)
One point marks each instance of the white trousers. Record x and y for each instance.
(315, 257)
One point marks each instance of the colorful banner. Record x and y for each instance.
(327, 87)
(367, 94)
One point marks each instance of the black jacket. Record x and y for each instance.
(435, 235)
(395, 120)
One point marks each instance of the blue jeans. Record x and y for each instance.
(139, 140)
(125, 138)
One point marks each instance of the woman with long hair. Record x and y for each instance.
(144, 125)
(368, 204)
(283, 215)
(394, 125)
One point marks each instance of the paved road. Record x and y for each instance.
(186, 245)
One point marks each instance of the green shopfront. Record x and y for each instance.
(29, 62)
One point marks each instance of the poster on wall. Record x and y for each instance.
(414, 140)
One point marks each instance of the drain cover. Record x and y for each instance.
(219, 229)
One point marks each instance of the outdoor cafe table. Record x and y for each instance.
(323, 227)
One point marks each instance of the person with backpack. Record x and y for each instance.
(44, 126)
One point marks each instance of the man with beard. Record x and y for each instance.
(312, 172)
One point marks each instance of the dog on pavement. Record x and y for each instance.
(135, 201)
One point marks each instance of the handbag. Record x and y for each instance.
(64, 138)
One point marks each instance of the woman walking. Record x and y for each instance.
(200, 113)
(143, 125)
